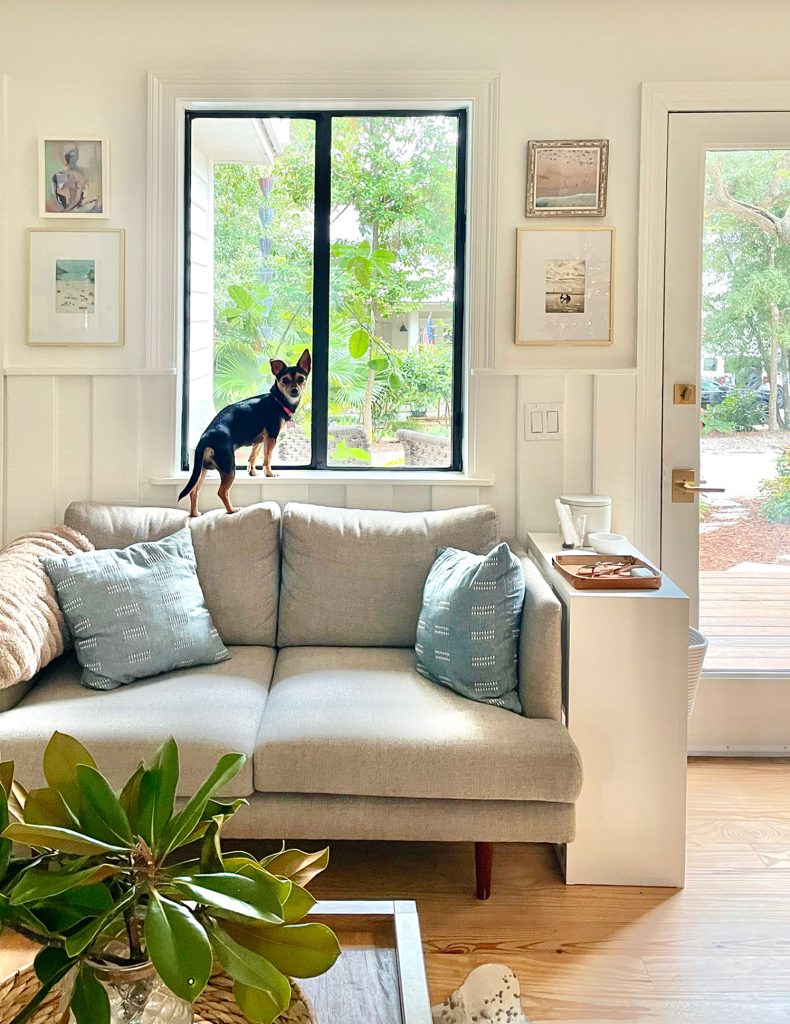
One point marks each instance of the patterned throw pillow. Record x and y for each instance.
(468, 631)
(135, 612)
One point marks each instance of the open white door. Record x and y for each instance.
(727, 329)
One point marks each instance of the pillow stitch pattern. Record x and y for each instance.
(468, 630)
(135, 612)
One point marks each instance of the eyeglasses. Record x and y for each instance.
(608, 570)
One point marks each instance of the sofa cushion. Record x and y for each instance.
(238, 557)
(210, 710)
(362, 721)
(355, 578)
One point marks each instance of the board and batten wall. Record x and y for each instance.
(101, 424)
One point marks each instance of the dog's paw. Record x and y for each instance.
(252, 470)
(271, 473)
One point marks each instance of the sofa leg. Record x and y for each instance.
(484, 860)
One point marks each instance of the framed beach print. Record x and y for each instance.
(74, 177)
(564, 286)
(75, 287)
(567, 179)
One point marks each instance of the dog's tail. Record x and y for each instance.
(197, 469)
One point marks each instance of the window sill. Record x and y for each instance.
(339, 476)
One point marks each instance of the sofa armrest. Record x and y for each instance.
(540, 646)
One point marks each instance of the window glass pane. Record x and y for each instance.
(392, 280)
(251, 265)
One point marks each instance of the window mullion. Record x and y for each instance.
(323, 200)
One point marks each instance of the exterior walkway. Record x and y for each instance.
(745, 613)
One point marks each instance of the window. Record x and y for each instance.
(341, 232)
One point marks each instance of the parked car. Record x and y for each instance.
(710, 393)
(764, 392)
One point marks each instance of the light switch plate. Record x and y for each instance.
(543, 421)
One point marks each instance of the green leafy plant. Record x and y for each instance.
(776, 507)
(738, 413)
(106, 865)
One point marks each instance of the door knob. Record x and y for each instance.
(684, 488)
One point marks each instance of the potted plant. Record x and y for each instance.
(129, 920)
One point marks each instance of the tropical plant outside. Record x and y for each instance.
(106, 866)
(392, 252)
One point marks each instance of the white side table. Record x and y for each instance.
(625, 700)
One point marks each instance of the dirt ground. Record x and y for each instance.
(751, 539)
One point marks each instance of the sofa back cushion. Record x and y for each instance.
(238, 557)
(355, 578)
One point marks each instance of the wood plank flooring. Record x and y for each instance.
(746, 617)
(716, 952)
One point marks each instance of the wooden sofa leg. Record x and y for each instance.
(484, 860)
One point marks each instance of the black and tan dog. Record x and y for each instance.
(255, 422)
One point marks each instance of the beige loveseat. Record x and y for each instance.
(318, 607)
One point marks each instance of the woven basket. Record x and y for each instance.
(216, 1004)
(698, 646)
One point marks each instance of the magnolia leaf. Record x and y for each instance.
(299, 950)
(158, 792)
(262, 1006)
(233, 894)
(5, 844)
(39, 884)
(299, 903)
(297, 865)
(182, 825)
(100, 811)
(359, 343)
(63, 839)
(90, 1002)
(46, 807)
(49, 963)
(62, 755)
(280, 886)
(79, 941)
(178, 946)
(73, 907)
(6, 775)
(244, 965)
(211, 850)
(129, 797)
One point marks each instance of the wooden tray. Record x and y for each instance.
(568, 567)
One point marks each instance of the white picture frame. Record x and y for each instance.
(565, 285)
(74, 177)
(75, 293)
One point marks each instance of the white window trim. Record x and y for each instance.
(171, 94)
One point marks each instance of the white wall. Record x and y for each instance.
(85, 423)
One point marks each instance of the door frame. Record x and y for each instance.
(659, 100)
(740, 716)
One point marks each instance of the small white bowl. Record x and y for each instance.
(607, 543)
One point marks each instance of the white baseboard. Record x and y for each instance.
(737, 750)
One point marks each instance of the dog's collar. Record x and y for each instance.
(285, 408)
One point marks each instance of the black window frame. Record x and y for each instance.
(321, 274)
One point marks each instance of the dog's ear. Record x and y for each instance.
(277, 366)
(304, 363)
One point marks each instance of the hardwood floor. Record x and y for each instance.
(716, 952)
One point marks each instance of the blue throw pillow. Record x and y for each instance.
(135, 612)
(467, 634)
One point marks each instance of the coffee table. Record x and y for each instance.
(379, 979)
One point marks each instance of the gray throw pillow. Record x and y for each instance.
(135, 612)
(468, 630)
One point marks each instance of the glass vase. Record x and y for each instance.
(139, 996)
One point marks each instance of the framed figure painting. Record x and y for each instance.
(564, 286)
(74, 178)
(75, 287)
(567, 178)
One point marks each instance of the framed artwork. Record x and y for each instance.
(567, 179)
(74, 177)
(75, 287)
(564, 286)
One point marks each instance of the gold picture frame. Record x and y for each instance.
(567, 178)
(565, 285)
(75, 287)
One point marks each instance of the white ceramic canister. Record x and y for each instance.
(597, 508)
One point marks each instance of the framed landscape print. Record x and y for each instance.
(564, 286)
(567, 179)
(75, 287)
(74, 177)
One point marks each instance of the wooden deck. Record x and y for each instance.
(746, 616)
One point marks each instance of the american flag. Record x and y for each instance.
(427, 336)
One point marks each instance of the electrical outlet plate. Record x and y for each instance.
(543, 421)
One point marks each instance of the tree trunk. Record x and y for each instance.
(367, 406)
(785, 362)
(772, 372)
